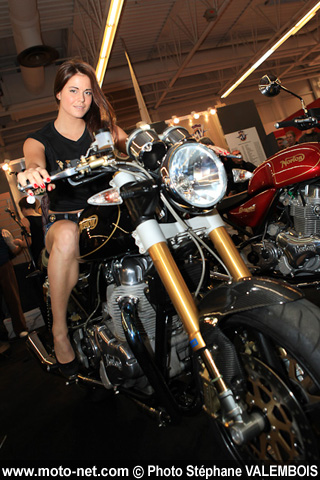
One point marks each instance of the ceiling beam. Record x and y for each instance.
(196, 46)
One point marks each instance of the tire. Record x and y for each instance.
(279, 351)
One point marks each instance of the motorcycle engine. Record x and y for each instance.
(296, 250)
(305, 209)
(119, 366)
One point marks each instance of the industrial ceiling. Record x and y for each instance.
(185, 53)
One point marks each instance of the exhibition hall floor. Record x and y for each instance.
(44, 420)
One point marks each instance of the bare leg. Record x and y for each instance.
(62, 243)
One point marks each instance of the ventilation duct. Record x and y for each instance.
(32, 54)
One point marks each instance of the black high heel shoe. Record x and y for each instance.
(69, 370)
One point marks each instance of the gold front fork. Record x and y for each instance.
(182, 298)
(229, 253)
(185, 306)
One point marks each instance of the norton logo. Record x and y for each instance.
(296, 158)
(88, 223)
(248, 209)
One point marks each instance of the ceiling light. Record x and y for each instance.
(108, 38)
(143, 125)
(5, 166)
(285, 37)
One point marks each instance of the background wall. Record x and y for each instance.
(270, 110)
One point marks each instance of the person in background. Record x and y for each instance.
(33, 240)
(232, 163)
(32, 221)
(9, 284)
(220, 151)
(291, 138)
(281, 143)
(310, 135)
(82, 110)
(4, 343)
(206, 141)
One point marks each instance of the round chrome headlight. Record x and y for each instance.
(194, 175)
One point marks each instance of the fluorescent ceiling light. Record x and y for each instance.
(108, 38)
(285, 37)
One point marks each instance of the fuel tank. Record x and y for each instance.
(251, 212)
(294, 164)
(105, 232)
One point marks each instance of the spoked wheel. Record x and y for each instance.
(279, 348)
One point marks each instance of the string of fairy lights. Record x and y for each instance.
(174, 120)
(192, 117)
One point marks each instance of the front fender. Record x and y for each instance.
(245, 295)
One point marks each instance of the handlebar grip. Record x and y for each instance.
(29, 186)
(288, 123)
(29, 190)
(230, 155)
(301, 123)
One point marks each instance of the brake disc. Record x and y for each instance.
(288, 437)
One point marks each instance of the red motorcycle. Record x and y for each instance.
(276, 222)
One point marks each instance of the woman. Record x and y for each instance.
(83, 110)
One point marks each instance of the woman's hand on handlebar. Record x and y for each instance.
(219, 150)
(34, 178)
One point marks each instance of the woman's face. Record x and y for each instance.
(76, 96)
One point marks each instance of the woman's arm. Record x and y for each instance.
(35, 161)
(8, 238)
(120, 139)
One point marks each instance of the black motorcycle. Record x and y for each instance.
(149, 319)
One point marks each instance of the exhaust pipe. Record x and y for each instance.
(138, 342)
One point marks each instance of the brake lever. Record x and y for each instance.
(68, 172)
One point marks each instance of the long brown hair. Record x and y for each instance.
(101, 114)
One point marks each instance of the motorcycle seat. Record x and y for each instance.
(227, 203)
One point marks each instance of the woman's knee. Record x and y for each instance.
(64, 238)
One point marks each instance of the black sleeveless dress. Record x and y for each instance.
(67, 198)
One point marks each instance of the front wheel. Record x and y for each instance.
(279, 350)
